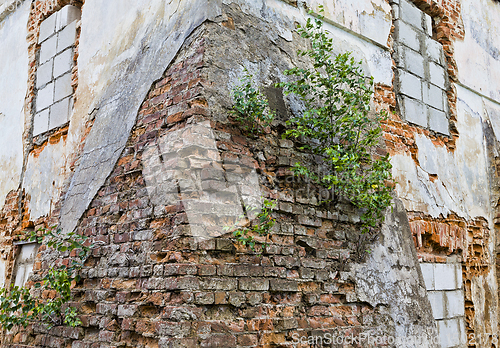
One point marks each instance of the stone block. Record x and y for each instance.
(437, 75)
(433, 96)
(455, 306)
(463, 333)
(60, 113)
(410, 85)
(415, 112)
(254, 284)
(67, 15)
(449, 332)
(437, 300)
(395, 12)
(411, 14)
(45, 97)
(44, 74)
(458, 272)
(434, 50)
(284, 285)
(66, 37)
(63, 62)
(428, 273)
(47, 28)
(414, 62)
(48, 49)
(407, 35)
(445, 276)
(428, 24)
(438, 121)
(63, 87)
(41, 122)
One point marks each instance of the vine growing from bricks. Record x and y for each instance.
(338, 126)
(22, 305)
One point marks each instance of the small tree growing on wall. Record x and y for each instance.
(337, 126)
(21, 306)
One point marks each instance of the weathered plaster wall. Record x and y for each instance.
(118, 65)
(371, 19)
(14, 79)
(478, 55)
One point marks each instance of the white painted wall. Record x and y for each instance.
(13, 88)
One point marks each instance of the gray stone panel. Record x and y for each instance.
(63, 87)
(428, 24)
(445, 276)
(67, 15)
(59, 113)
(437, 75)
(455, 306)
(434, 50)
(47, 28)
(48, 49)
(41, 122)
(44, 74)
(414, 62)
(45, 97)
(410, 85)
(66, 37)
(438, 121)
(433, 96)
(449, 332)
(428, 273)
(415, 112)
(407, 35)
(411, 14)
(63, 62)
(437, 300)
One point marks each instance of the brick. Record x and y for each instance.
(63, 87)
(219, 341)
(283, 285)
(44, 74)
(47, 28)
(127, 310)
(60, 113)
(218, 284)
(63, 62)
(253, 284)
(66, 37)
(67, 15)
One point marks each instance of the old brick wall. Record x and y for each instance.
(151, 284)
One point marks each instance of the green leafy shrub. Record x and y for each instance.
(260, 226)
(19, 306)
(251, 108)
(338, 127)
